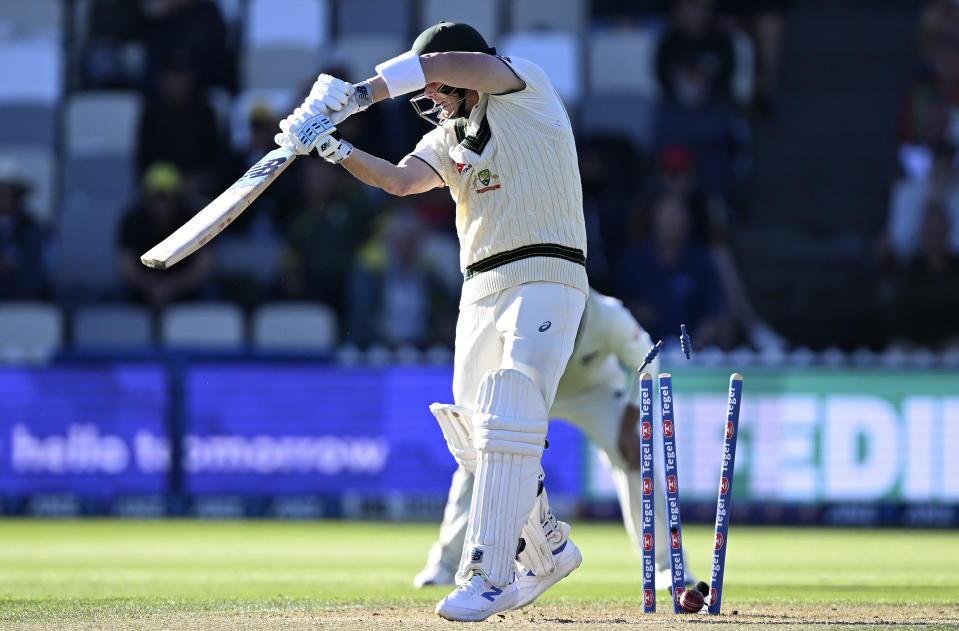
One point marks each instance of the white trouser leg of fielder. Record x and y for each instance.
(598, 411)
(533, 326)
(444, 555)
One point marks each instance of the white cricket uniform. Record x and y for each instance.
(592, 395)
(511, 167)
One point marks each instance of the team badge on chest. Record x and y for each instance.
(485, 181)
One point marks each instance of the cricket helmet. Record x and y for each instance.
(446, 37)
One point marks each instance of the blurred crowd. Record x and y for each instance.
(918, 254)
(658, 213)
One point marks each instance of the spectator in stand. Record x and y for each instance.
(163, 26)
(193, 25)
(763, 21)
(938, 19)
(676, 175)
(926, 307)
(396, 298)
(23, 243)
(910, 199)
(626, 13)
(695, 64)
(608, 166)
(334, 218)
(179, 126)
(156, 216)
(669, 279)
(110, 26)
(931, 109)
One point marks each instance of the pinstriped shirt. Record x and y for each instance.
(511, 168)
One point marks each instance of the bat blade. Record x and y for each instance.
(219, 213)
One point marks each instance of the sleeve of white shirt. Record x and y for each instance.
(432, 150)
(538, 96)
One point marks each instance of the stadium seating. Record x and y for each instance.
(623, 61)
(294, 326)
(37, 162)
(361, 53)
(102, 123)
(86, 246)
(358, 17)
(29, 331)
(483, 16)
(112, 327)
(268, 24)
(558, 52)
(31, 18)
(565, 15)
(620, 113)
(202, 326)
(280, 67)
(32, 123)
(43, 84)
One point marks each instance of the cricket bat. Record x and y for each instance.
(219, 213)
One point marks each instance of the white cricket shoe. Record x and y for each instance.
(567, 557)
(435, 574)
(477, 599)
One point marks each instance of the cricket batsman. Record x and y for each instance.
(596, 394)
(503, 145)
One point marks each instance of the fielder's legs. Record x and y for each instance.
(444, 555)
(598, 412)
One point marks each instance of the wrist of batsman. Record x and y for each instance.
(333, 148)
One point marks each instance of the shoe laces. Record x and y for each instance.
(473, 586)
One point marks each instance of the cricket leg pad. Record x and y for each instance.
(509, 433)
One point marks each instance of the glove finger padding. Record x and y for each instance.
(304, 129)
(333, 90)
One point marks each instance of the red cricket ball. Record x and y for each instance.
(691, 600)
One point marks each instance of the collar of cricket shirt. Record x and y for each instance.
(472, 135)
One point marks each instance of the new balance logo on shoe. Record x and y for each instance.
(492, 593)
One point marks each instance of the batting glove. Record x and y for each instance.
(338, 98)
(303, 129)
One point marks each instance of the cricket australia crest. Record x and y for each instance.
(485, 181)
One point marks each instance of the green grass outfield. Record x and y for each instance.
(181, 574)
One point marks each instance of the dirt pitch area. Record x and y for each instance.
(538, 618)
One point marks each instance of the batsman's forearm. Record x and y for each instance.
(374, 171)
(378, 88)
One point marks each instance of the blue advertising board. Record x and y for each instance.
(82, 430)
(302, 428)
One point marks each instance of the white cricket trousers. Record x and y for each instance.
(530, 328)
